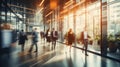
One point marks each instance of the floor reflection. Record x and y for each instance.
(69, 60)
(85, 63)
(103, 62)
(4, 60)
(45, 57)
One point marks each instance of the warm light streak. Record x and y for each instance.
(65, 10)
(48, 14)
(39, 11)
(77, 4)
(41, 2)
(68, 4)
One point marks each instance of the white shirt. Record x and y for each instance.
(85, 35)
(49, 33)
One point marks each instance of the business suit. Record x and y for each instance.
(54, 36)
(22, 38)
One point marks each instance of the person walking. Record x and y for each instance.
(48, 36)
(70, 38)
(22, 38)
(41, 35)
(34, 40)
(54, 37)
(84, 39)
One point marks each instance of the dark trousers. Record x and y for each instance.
(85, 45)
(22, 47)
(53, 44)
(32, 47)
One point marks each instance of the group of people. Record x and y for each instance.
(52, 36)
(70, 39)
(23, 37)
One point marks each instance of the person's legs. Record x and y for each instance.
(70, 48)
(22, 47)
(83, 48)
(65, 47)
(36, 47)
(54, 44)
(86, 44)
(31, 48)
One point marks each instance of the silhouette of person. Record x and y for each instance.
(22, 38)
(54, 37)
(84, 38)
(48, 36)
(34, 40)
(42, 35)
(70, 38)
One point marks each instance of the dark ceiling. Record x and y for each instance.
(35, 3)
(32, 3)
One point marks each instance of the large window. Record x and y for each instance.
(114, 29)
(110, 29)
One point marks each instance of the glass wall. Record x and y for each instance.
(114, 29)
(106, 35)
(92, 24)
(11, 14)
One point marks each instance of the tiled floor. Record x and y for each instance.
(60, 57)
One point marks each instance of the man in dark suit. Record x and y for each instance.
(54, 36)
(22, 38)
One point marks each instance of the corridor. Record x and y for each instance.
(60, 57)
(94, 24)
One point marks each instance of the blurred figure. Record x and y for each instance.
(42, 35)
(8, 38)
(48, 36)
(84, 39)
(14, 37)
(22, 38)
(54, 37)
(34, 40)
(70, 38)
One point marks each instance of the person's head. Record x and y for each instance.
(70, 30)
(35, 29)
(22, 30)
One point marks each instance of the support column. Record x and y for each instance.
(103, 20)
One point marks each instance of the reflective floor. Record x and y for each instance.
(60, 57)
